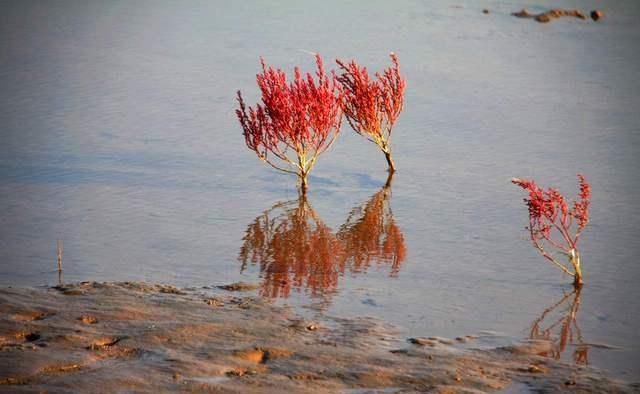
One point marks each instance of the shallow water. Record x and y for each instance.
(119, 138)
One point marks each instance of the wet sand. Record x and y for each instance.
(137, 337)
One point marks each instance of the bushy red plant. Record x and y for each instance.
(296, 122)
(552, 222)
(372, 106)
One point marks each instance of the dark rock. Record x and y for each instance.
(523, 13)
(596, 15)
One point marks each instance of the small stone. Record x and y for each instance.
(596, 15)
(523, 13)
(543, 18)
(87, 319)
(423, 341)
(214, 302)
(535, 369)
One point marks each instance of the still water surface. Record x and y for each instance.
(119, 138)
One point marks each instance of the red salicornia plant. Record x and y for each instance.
(372, 106)
(296, 122)
(552, 222)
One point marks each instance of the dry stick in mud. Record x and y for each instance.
(59, 253)
(372, 106)
(296, 122)
(552, 223)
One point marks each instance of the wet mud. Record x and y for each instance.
(137, 337)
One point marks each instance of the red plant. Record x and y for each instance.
(296, 121)
(551, 222)
(372, 106)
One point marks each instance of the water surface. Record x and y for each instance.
(119, 138)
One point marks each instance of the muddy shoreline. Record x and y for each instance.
(115, 337)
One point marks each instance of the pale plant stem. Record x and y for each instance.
(551, 259)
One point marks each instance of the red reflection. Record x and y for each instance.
(294, 249)
(370, 234)
(558, 325)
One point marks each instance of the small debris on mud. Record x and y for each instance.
(88, 319)
(104, 343)
(548, 16)
(240, 286)
(217, 302)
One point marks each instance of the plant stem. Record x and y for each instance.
(387, 155)
(387, 184)
(574, 257)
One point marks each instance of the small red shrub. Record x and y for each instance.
(552, 222)
(296, 122)
(372, 106)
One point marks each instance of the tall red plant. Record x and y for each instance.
(553, 223)
(372, 106)
(296, 122)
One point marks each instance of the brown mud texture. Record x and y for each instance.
(134, 337)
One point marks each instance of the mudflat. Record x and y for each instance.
(138, 337)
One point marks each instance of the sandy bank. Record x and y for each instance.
(135, 337)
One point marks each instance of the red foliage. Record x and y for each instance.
(296, 121)
(551, 220)
(372, 106)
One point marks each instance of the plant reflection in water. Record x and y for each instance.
(558, 324)
(370, 234)
(294, 249)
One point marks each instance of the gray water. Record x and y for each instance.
(119, 138)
